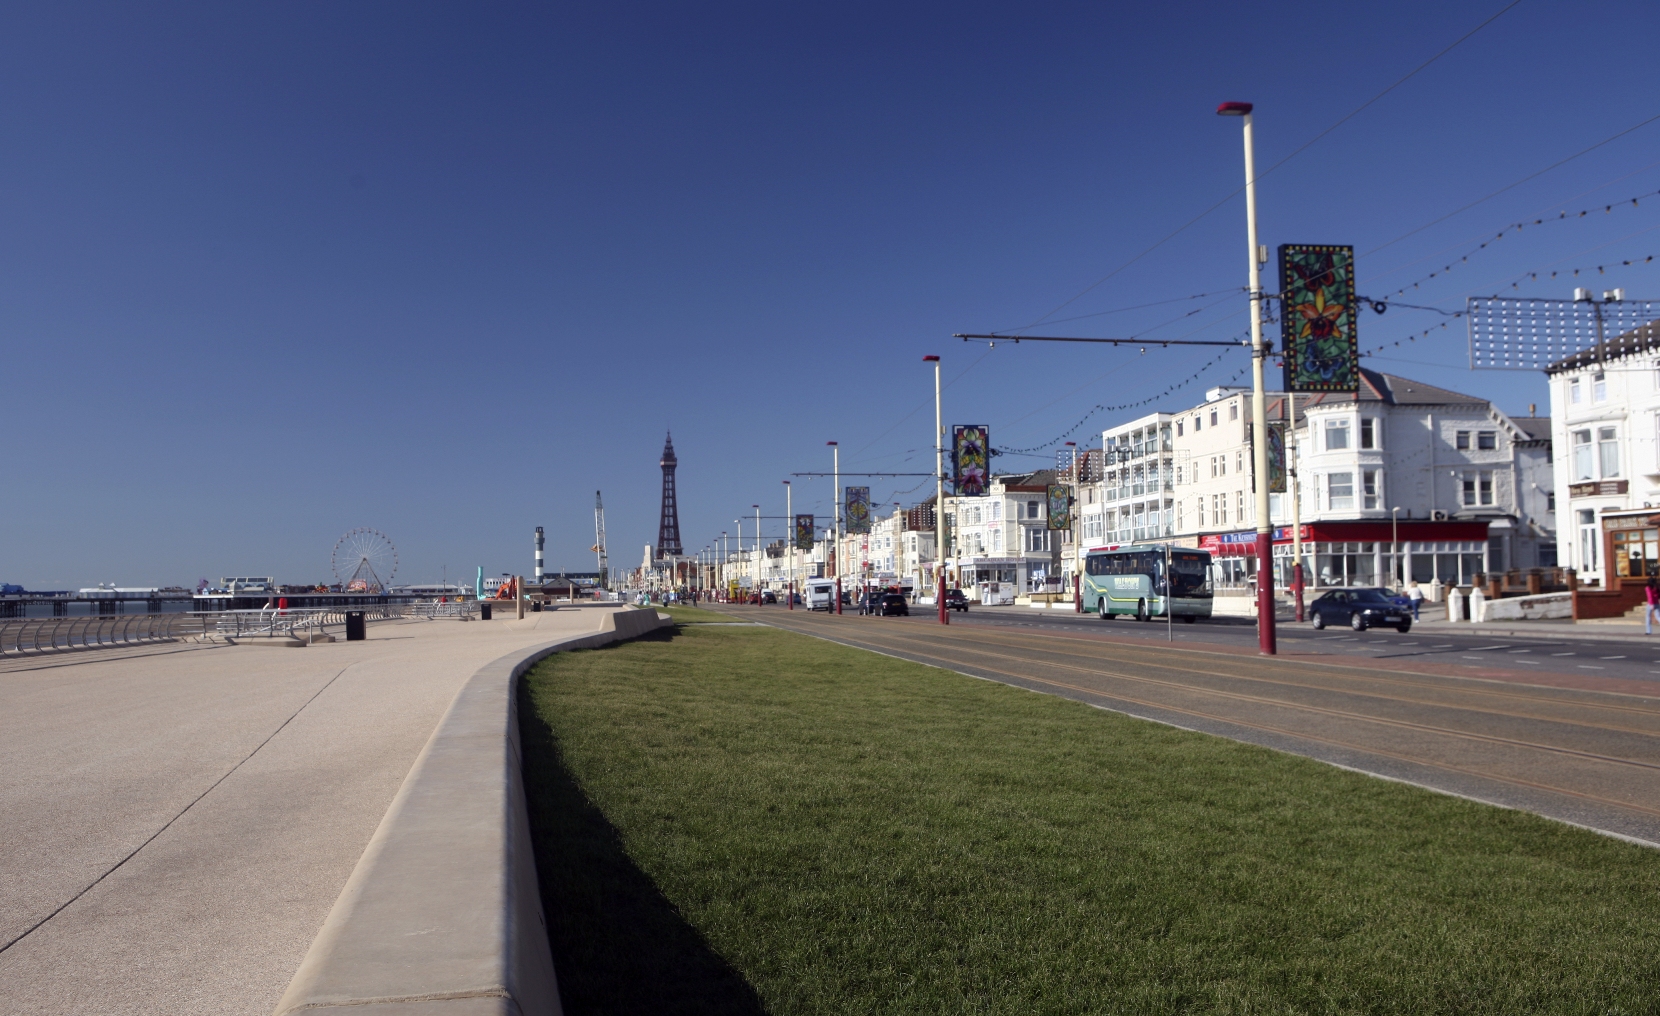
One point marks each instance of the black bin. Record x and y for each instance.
(355, 628)
(484, 612)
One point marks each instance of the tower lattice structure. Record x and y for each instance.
(668, 524)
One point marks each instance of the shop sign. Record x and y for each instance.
(1598, 488)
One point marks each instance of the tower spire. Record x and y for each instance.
(668, 524)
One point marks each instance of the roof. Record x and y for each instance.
(1537, 428)
(1397, 391)
(1639, 340)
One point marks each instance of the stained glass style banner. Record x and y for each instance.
(1059, 496)
(857, 502)
(1276, 457)
(970, 459)
(803, 532)
(1317, 318)
(1509, 333)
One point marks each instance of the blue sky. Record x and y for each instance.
(270, 272)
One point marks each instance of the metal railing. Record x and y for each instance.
(35, 636)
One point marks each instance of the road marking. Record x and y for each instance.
(1480, 649)
(1513, 652)
(1414, 643)
(1379, 642)
(1587, 666)
(1611, 657)
(1533, 662)
(1561, 654)
(1467, 656)
(1447, 646)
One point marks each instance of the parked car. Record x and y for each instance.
(873, 603)
(1361, 608)
(894, 604)
(956, 600)
(769, 597)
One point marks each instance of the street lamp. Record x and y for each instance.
(757, 553)
(835, 501)
(789, 530)
(939, 492)
(1395, 544)
(1259, 408)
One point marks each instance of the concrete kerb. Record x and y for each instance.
(442, 915)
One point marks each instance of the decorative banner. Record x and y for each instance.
(1317, 318)
(970, 459)
(1276, 456)
(803, 532)
(1060, 506)
(857, 500)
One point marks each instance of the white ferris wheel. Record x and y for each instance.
(364, 561)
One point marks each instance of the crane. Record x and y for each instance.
(599, 539)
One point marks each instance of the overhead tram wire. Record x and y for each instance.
(1511, 186)
(1298, 151)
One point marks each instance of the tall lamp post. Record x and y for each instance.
(758, 573)
(939, 493)
(1074, 528)
(835, 501)
(1395, 546)
(1259, 407)
(789, 522)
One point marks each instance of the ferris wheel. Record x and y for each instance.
(364, 561)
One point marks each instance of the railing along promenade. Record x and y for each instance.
(42, 635)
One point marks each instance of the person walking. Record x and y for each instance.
(1651, 597)
(1416, 594)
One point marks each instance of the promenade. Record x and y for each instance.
(179, 822)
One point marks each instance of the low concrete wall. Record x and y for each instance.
(1544, 606)
(442, 915)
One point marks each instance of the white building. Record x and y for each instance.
(1001, 546)
(1605, 413)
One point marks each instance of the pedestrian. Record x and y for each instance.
(1651, 596)
(1416, 595)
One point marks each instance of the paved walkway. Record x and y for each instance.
(178, 824)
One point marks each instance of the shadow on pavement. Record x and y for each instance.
(619, 946)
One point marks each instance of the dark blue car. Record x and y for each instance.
(1361, 608)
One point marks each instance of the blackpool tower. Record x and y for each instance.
(668, 525)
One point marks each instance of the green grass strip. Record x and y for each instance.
(744, 819)
(682, 614)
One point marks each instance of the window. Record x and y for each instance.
(1178, 476)
(1213, 465)
(1486, 441)
(1239, 462)
(1178, 515)
(1368, 433)
(1340, 491)
(1233, 410)
(1588, 540)
(1478, 487)
(1369, 486)
(1599, 388)
(1582, 455)
(1178, 428)
(1550, 500)
(1337, 435)
(1462, 441)
(1201, 512)
(1037, 540)
(1608, 449)
(1031, 509)
(1573, 391)
(1239, 505)
(1198, 424)
(1486, 486)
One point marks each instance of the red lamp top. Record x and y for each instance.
(930, 359)
(1233, 109)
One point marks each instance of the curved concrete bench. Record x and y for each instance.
(442, 915)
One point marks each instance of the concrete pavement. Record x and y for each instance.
(178, 825)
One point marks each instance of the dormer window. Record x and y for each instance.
(1337, 435)
(1573, 392)
(1599, 388)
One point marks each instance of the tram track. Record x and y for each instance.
(1585, 756)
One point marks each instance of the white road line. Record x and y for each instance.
(1610, 657)
(1513, 652)
(1561, 654)
(1587, 666)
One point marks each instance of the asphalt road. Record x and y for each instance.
(1568, 727)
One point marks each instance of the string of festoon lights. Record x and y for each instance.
(1514, 227)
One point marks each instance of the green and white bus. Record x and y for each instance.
(1131, 580)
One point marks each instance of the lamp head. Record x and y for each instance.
(1233, 109)
(930, 359)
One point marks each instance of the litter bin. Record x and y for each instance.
(354, 626)
(484, 612)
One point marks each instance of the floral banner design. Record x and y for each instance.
(1059, 496)
(970, 459)
(1317, 318)
(1276, 457)
(857, 502)
(803, 532)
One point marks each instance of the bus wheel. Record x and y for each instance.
(1101, 609)
(1141, 611)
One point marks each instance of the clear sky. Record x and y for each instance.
(272, 271)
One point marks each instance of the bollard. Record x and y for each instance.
(483, 611)
(356, 630)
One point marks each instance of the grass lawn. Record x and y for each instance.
(745, 820)
(694, 614)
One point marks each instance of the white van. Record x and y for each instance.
(821, 594)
